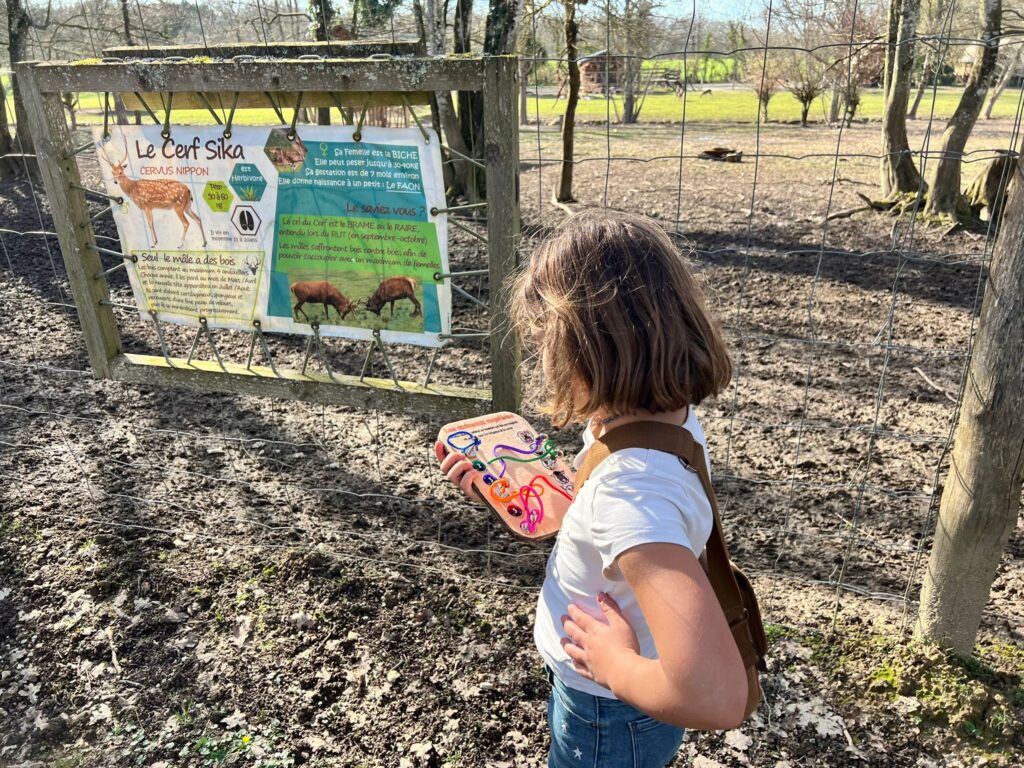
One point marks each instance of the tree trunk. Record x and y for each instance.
(986, 194)
(18, 26)
(499, 40)
(447, 169)
(899, 173)
(323, 11)
(564, 192)
(936, 16)
(805, 107)
(461, 43)
(1004, 80)
(461, 178)
(926, 76)
(524, 70)
(981, 498)
(8, 165)
(126, 23)
(944, 197)
(835, 104)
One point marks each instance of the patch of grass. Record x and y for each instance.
(183, 715)
(775, 632)
(977, 700)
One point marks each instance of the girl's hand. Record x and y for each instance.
(458, 469)
(596, 646)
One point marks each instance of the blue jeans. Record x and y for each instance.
(595, 732)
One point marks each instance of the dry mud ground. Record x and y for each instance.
(203, 579)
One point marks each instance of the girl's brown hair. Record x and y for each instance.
(620, 321)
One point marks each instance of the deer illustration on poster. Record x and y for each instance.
(152, 194)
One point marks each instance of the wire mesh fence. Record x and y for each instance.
(850, 332)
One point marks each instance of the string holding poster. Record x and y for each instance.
(290, 230)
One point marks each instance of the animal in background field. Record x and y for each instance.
(391, 290)
(320, 292)
(150, 194)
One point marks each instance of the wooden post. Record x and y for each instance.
(360, 81)
(71, 221)
(981, 497)
(501, 155)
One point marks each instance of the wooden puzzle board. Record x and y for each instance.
(520, 476)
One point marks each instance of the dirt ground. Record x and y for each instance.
(203, 579)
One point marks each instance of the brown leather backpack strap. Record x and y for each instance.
(677, 440)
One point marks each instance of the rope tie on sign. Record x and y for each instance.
(67, 155)
(204, 330)
(292, 135)
(145, 106)
(467, 273)
(231, 116)
(452, 208)
(311, 340)
(265, 347)
(115, 198)
(117, 305)
(430, 366)
(416, 119)
(108, 252)
(160, 336)
(461, 156)
(127, 257)
(316, 341)
(277, 109)
(166, 131)
(346, 112)
(358, 135)
(466, 294)
(376, 343)
(454, 222)
(209, 107)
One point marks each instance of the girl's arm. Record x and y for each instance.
(698, 680)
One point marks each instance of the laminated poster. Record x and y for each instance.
(522, 478)
(292, 232)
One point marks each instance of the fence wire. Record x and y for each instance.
(850, 336)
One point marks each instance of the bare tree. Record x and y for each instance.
(944, 197)
(564, 192)
(633, 31)
(935, 23)
(8, 166)
(765, 81)
(899, 172)
(1010, 68)
(981, 499)
(19, 22)
(804, 77)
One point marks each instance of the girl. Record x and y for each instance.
(634, 641)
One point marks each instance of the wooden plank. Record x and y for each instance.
(501, 155)
(463, 74)
(335, 49)
(71, 221)
(437, 400)
(222, 100)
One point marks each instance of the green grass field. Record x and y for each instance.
(723, 105)
(727, 105)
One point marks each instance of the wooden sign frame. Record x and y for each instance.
(323, 82)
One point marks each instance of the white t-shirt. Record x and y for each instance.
(635, 496)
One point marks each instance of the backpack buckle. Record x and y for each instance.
(686, 464)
